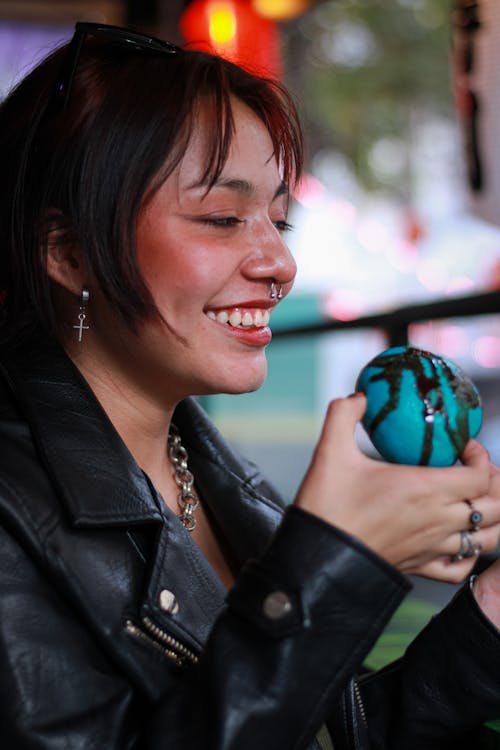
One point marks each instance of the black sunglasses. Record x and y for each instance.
(116, 34)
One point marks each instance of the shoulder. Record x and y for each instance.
(27, 498)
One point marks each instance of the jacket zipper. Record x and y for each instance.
(359, 701)
(353, 731)
(167, 644)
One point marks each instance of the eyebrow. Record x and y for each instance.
(242, 186)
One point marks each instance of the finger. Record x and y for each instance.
(467, 481)
(472, 479)
(342, 417)
(452, 518)
(455, 548)
(475, 455)
(494, 488)
(488, 538)
(488, 507)
(494, 470)
(442, 569)
(475, 543)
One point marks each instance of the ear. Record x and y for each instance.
(64, 260)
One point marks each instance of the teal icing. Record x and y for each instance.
(421, 407)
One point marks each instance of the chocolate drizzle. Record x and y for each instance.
(430, 390)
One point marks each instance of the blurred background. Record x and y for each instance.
(396, 222)
(399, 205)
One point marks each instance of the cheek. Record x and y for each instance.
(180, 281)
(153, 249)
(162, 264)
(180, 264)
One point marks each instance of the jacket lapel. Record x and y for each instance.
(247, 518)
(245, 506)
(98, 480)
(100, 485)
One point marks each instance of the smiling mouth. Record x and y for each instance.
(241, 318)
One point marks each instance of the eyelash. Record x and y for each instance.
(283, 226)
(226, 222)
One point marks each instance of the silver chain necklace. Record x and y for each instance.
(187, 499)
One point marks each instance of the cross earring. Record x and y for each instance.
(82, 315)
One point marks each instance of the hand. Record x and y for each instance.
(410, 515)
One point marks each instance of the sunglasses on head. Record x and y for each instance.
(126, 38)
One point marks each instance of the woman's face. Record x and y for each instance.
(209, 259)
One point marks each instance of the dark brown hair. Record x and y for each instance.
(85, 172)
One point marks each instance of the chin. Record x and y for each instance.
(252, 380)
(240, 391)
(248, 387)
(238, 383)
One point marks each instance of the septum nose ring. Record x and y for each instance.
(276, 290)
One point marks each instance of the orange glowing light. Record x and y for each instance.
(222, 24)
(280, 10)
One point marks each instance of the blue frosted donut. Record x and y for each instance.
(421, 408)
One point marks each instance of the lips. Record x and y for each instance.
(240, 317)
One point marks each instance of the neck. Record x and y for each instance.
(141, 420)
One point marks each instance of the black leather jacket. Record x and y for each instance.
(115, 633)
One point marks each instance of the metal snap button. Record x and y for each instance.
(277, 604)
(168, 602)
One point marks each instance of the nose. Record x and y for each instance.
(271, 260)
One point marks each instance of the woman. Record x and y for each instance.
(154, 592)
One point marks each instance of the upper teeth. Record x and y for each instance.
(239, 318)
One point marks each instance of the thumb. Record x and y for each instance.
(342, 417)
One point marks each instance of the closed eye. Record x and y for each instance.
(283, 226)
(222, 221)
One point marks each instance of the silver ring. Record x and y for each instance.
(276, 290)
(468, 548)
(475, 516)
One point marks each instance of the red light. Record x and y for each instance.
(232, 29)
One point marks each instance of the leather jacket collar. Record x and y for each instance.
(100, 486)
(76, 438)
